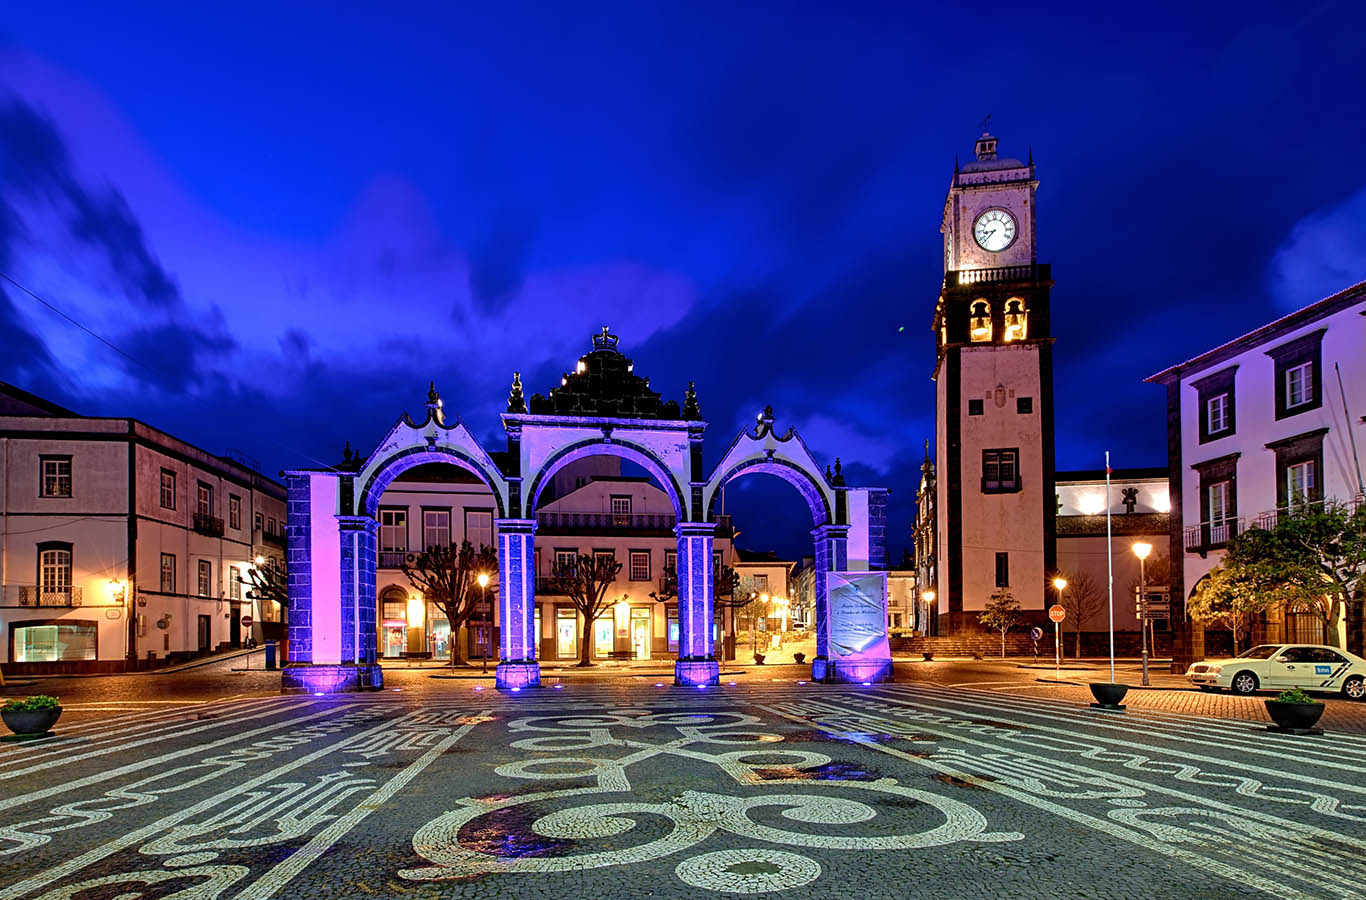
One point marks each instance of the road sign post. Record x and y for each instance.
(1057, 613)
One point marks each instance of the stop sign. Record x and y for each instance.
(246, 621)
(1057, 613)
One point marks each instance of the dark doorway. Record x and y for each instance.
(204, 629)
(235, 626)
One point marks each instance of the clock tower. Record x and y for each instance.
(994, 392)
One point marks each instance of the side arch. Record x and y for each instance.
(599, 447)
(367, 497)
(793, 474)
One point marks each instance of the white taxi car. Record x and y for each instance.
(1312, 667)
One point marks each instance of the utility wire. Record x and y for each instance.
(144, 366)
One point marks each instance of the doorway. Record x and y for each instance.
(566, 633)
(235, 626)
(604, 641)
(205, 633)
(640, 633)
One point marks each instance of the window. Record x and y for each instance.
(1299, 384)
(235, 585)
(1299, 469)
(640, 565)
(1024, 405)
(168, 573)
(436, 528)
(54, 641)
(258, 521)
(565, 559)
(1299, 483)
(760, 583)
(671, 561)
(270, 525)
(205, 583)
(605, 554)
(975, 406)
(54, 568)
(479, 527)
(393, 530)
(1003, 570)
(54, 476)
(234, 511)
(204, 497)
(1000, 471)
(1218, 502)
(167, 489)
(1215, 395)
(621, 510)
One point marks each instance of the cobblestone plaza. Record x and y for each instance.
(612, 790)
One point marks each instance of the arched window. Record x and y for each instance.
(980, 326)
(1016, 320)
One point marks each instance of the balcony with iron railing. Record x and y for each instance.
(392, 559)
(1212, 535)
(602, 522)
(35, 595)
(999, 275)
(274, 538)
(205, 524)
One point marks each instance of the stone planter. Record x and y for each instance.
(1294, 718)
(30, 721)
(758, 659)
(927, 656)
(1108, 694)
(799, 658)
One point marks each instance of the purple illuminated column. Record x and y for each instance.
(696, 643)
(517, 639)
(831, 555)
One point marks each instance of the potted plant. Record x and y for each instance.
(758, 659)
(31, 716)
(799, 657)
(1108, 694)
(927, 655)
(1294, 712)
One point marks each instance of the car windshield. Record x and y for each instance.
(1265, 651)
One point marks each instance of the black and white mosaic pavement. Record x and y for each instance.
(884, 791)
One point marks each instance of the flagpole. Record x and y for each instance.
(1110, 565)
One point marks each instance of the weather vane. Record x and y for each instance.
(986, 121)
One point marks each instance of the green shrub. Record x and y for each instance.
(29, 704)
(1295, 695)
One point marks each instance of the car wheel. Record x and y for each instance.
(1354, 688)
(1244, 683)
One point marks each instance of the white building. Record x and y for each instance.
(1257, 423)
(121, 543)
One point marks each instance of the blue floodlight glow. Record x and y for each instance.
(478, 687)
(515, 690)
(559, 687)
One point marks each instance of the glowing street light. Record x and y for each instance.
(1060, 584)
(1141, 550)
(486, 629)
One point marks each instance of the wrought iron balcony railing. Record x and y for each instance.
(208, 525)
(274, 538)
(1212, 535)
(585, 522)
(30, 595)
(392, 559)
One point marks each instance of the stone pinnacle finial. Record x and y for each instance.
(434, 404)
(690, 408)
(838, 480)
(516, 402)
(347, 453)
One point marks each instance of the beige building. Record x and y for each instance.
(121, 544)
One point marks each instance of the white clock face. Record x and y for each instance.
(994, 230)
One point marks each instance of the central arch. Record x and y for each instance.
(607, 446)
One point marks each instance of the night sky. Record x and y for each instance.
(290, 222)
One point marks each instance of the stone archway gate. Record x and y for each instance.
(601, 407)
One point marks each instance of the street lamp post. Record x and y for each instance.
(1141, 550)
(1061, 584)
(928, 597)
(485, 630)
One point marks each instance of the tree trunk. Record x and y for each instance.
(457, 658)
(1003, 644)
(1078, 653)
(585, 643)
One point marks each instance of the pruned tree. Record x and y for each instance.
(266, 583)
(448, 576)
(1002, 613)
(1084, 600)
(1227, 597)
(585, 580)
(1313, 560)
(725, 583)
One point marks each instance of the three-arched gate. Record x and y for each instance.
(600, 408)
